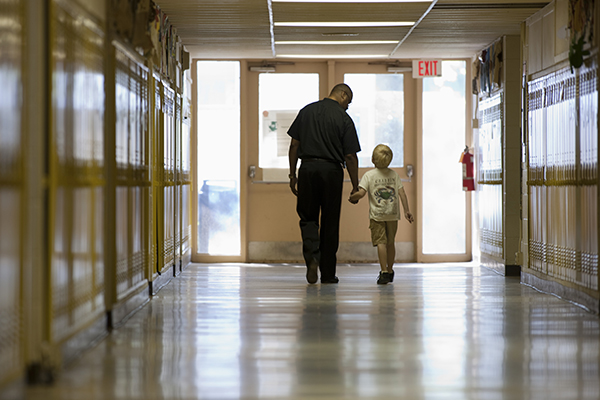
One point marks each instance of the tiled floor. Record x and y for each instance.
(442, 331)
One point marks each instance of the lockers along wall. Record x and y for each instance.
(489, 176)
(132, 184)
(563, 181)
(97, 170)
(497, 151)
(185, 176)
(12, 189)
(76, 181)
(560, 197)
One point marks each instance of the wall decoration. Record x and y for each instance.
(581, 24)
(487, 70)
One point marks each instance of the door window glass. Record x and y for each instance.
(280, 97)
(377, 109)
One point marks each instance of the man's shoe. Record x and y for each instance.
(384, 278)
(311, 271)
(391, 276)
(330, 280)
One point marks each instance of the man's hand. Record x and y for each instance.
(409, 217)
(293, 185)
(356, 194)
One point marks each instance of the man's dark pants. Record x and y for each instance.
(320, 186)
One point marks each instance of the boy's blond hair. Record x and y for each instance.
(382, 156)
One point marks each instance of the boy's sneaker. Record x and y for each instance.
(391, 276)
(383, 279)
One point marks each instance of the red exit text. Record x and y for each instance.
(425, 68)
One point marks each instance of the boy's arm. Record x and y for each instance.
(356, 196)
(404, 199)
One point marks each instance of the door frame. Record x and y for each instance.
(335, 71)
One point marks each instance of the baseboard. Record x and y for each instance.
(129, 305)
(186, 259)
(348, 252)
(88, 337)
(161, 280)
(557, 289)
(499, 266)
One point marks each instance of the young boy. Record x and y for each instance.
(385, 190)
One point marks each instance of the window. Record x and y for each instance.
(444, 102)
(280, 97)
(218, 171)
(377, 109)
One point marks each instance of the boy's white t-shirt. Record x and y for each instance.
(383, 186)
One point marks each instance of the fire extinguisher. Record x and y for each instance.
(466, 159)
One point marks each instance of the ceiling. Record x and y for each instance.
(248, 29)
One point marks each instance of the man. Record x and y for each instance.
(324, 138)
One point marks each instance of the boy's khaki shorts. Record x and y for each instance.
(383, 231)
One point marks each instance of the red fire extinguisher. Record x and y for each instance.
(468, 180)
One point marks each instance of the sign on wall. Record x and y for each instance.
(426, 68)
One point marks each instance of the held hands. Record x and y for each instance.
(409, 217)
(354, 196)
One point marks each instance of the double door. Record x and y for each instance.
(244, 209)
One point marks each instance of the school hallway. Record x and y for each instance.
(440, 331)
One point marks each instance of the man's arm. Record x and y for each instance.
(352, 166)
(356, 196)
(293, 157)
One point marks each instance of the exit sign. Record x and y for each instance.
(425, 68)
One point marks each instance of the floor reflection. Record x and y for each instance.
(259, 331)
(317, 369)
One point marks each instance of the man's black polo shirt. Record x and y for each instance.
(325, 131)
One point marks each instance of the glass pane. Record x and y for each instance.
(278, 110)
(377, 109)
(444, 203)
(219, 158)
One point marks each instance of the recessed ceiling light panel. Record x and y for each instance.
(335, 42)
(332, 56)
(339, 34)
(351, 1)
(355, 24)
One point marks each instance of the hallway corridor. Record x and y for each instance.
(440, 331)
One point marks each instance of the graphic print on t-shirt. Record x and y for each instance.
(385, 193)
(383, 186)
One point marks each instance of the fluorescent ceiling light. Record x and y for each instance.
(344, 24)
(351, 1)
(329, 56)
(263, 68)
(337, 42)
(392, 68)
(340, 34)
